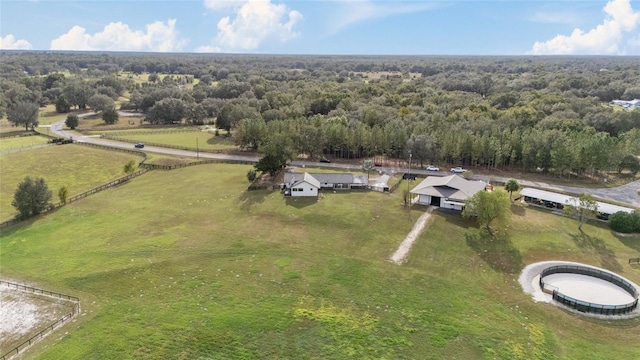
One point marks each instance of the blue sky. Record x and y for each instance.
(414, 27)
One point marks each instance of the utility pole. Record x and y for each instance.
(408, 184)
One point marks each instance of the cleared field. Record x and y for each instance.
(187, 264)
(22, 142)
(144, 78)
(200, 139)
(77, 167)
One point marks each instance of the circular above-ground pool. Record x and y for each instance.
(589, 289)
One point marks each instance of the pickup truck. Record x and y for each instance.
(457, 170)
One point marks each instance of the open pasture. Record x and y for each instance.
(187, 264)
(193, 139)
(77, 167)
(22, 142)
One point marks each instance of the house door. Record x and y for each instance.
(435, 201)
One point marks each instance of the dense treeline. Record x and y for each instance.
(531, 113)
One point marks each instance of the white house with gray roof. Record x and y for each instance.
(332, 181)
(305, 185)
(447, 192)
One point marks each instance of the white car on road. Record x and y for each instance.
(458, 170)
(433, 168)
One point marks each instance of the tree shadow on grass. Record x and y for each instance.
(496, 250)
(300, 202)
(517, 210)
(248, 198)
(630, 240)
(607, 256)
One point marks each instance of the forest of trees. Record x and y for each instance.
(548, 114)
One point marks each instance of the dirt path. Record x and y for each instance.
(400, 256)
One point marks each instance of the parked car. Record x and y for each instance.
(139, 145)
(324, 160)
(433, 168)
(457, 169)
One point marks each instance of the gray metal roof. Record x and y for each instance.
(323, 178)
(452, 186)
(571, 200)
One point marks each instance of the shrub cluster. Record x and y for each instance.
(624, 222)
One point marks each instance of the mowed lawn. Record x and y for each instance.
(79, 168)
(22, 142)
(196, 139)
(186, 264)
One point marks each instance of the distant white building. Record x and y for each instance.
(634, 104)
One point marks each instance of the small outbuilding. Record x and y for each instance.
(447, 192)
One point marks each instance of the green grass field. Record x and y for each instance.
(79, 168)
(22, 142)
(201, 139)
(186, 264)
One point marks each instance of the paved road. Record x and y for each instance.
(626, 194)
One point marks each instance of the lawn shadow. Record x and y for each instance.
(630, 240)
(300, 202)
(608, 258)
(496, 250)
(517, 210)
(248, 198)
(455, 217)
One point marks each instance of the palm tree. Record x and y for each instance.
(511, 186)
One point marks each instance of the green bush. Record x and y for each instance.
(252, 175)
(624, 222)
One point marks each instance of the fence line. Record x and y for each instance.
(17, 134)
(585, 306)
(79, 196)
(106, 147)
(39, 291)
(24, 148)
(264, 187)
(117, 132)
(39, 335)
(201, 162)
(145, 129)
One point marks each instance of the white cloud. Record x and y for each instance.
(358, 11)
(159, 36)
(222, 4)
(554, 18)
(9, 42)
(252, 23)
(208, 49)
(607, 38)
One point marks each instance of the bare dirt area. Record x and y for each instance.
(400, 256)
(23, 314)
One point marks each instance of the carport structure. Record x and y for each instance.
(558, 201)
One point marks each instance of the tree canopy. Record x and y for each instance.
(31, 197)
(23, 114)
(546, 114)
(487, 207)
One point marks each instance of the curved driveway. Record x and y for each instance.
(626, 194)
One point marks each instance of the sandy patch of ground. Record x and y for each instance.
(23, 314)
(400, 256)
(579, 285)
